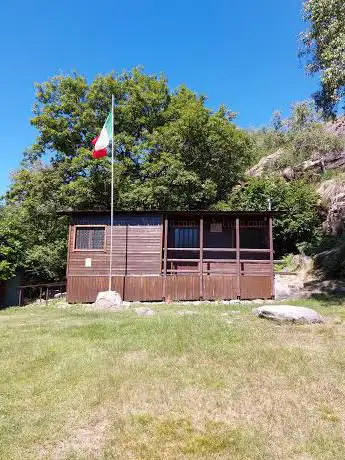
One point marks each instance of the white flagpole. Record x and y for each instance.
(112, 193)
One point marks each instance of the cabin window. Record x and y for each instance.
(186, 237)
(89, 238)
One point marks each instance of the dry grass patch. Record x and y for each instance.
(77, 384)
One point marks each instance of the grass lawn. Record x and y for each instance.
(77, 384)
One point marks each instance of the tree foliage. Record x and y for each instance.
(171, 152)
(10, 245)
(324, 47)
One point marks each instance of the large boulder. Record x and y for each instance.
(331, 261)
(282, 313)
(108, 300)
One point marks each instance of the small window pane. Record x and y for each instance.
(98, 238)
(82, 238)
(186, 237)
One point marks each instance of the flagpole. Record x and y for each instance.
(112, 193)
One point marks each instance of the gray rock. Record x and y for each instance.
(60, 295)
(288, 174)
(144, 311)
(290, 313)
(108, 300)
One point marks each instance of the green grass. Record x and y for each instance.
(78, 384)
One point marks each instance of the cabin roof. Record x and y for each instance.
(170, 212)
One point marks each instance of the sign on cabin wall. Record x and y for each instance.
(88, 262)
(216, 227)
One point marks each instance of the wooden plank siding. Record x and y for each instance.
(136, 250)
(222, 267)
(256, 287)
(218, 287)
(183, 287)
(86, 288)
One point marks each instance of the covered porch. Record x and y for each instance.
(217, 256)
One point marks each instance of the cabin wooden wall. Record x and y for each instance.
(137, 247)
(179, 287)
(138, 268)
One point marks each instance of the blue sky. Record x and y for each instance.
(240, 53)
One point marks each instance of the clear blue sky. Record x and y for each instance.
(242, 53)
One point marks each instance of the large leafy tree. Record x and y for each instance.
(10, 245)
(171, 152)
(324, 46)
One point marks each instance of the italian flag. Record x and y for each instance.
(102, 141)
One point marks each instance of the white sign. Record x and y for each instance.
(88, 262)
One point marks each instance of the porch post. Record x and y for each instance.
(165, 262)
(238, 258)
(201, 258)
(270, 230)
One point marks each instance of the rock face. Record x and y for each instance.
(282, 313)
(265, 163)
(108, 300)
(333, 194)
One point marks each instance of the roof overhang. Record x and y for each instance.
(237, 213)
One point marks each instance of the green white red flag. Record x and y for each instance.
(103, 141)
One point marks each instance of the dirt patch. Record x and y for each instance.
(88, 439)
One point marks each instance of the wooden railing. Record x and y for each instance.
(43, 291)
(201, 261)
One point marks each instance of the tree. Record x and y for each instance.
(324, 48)
(32, 204)
(171, 152)
(10, 246)
(170, 149)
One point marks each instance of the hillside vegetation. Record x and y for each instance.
(305, 156)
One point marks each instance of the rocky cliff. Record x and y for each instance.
(317, 169)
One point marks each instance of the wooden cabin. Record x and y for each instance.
(171, 255)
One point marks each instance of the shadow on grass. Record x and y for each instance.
(327, 298)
